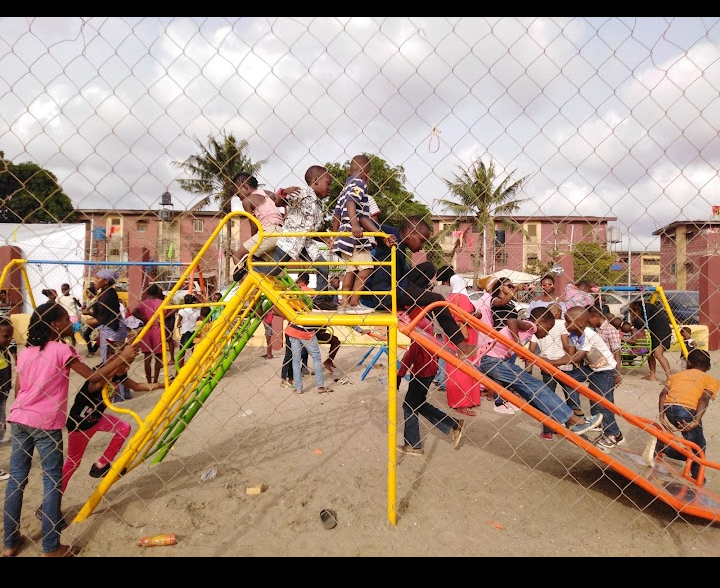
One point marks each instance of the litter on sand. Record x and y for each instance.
(496, 525)
(208, 474)
(255, 490)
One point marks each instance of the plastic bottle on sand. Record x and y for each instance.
(158, 540)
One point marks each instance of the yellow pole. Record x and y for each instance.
(392, 423)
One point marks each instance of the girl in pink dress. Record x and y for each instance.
(151, 344)
(463, 391)
(37, 418)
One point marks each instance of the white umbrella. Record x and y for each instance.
(516, 277)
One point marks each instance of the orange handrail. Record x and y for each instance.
(686, 448)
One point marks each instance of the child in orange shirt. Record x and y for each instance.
(683, 402)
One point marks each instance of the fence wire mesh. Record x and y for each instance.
(577, 148)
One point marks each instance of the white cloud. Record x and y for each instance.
(606, 116)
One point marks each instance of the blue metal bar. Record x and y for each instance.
(628, 288)
(150, 263)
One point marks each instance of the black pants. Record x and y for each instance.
(87, 335)
(416, 405)
(286, 372)
(415, 292)
(326, 337)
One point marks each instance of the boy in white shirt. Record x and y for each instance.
(185, 322)
(552, 347)
(589, 347)
(690, 344)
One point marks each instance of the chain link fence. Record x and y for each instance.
(583, 148)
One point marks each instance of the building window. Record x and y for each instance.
(587, 231)
(532, 259)
(532, 230)
(561, 230)
(114, 227)
(198, 225)
(142, 226)
(673, 270)
(114, 253)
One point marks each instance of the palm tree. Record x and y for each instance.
(479, 201)
(212, 171)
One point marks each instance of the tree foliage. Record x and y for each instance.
(31, 194)
(210, 173)
(212, 169)
(387, 186)
(542, 268)
(479, 199)
(592, 263)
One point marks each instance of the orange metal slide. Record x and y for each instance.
(669, 482)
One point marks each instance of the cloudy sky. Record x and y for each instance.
(603, 116)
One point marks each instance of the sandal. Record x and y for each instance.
(63, 551)
(13, 551)
(324, 390)
(466, 411)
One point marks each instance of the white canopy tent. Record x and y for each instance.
(53, 243)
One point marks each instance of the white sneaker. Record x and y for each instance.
(4, 475)
(359, 309)
(505, 409)
(649, 452)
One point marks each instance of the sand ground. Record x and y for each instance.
(503, 492)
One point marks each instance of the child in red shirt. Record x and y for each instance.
(422, 367)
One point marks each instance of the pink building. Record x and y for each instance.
(644, 266)
(162, 235)
(682, 245)
(544, 237)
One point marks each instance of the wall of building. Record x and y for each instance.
(552, 235)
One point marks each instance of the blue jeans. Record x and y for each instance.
(603, 383)
(676, 413)
(551, 383)
(516, 379)
(415, 404)
(313, 348)
(572, 396)
(498, 399)
(50, 449)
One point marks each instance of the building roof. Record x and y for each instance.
(525, 218)
(144, 212)
(696, 223)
